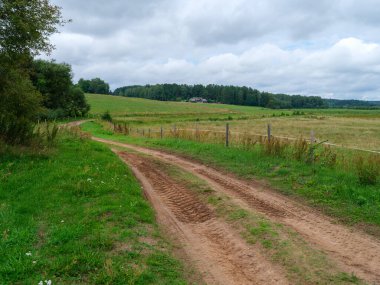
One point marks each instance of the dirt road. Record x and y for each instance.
(354, 251)
(218, 253)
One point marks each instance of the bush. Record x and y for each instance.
(275, 147)
(300, 149)
(19, 106)
(368, 169)
(107, 116)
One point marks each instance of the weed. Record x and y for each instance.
(367, 169)
(106, 116)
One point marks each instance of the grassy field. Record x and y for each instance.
(344, 127)
(76, 215)
(335, 190)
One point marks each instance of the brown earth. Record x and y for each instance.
(354, 251)
(217, 252)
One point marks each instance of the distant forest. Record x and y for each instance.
(233, 95)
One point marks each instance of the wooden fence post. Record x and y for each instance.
(143, 133)
(312, 141)
(149, 133)
(196, 132)
(269, 133)
(161, 132)
(227, 134)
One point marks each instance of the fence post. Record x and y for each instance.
(161, 132)
(143, 132)
(196, 132)
(269, 133)
(227, 134)
(149, 134)
(312, 141)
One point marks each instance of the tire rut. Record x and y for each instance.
(353, 251)
(218, 252)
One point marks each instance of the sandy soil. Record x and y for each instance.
(215, 249)
(353, 251)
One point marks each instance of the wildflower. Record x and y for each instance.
(34, 262)
(62, 221)
(40, 283)
(48, 282)
(28, 254)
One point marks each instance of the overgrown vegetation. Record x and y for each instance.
(106, 116)
(75, 218)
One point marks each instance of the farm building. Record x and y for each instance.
(198, 100)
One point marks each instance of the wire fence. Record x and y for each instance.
(227, 137)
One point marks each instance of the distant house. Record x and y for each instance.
(197, 100)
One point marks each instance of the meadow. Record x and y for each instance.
(335, 182)
(344, 127)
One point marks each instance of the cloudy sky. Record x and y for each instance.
(326, 48)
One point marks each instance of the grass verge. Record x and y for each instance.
(76, 215)
(333, 190)
(302, 263)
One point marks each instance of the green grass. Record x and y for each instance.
(334, 190)
(302, 263)
(127, 106)
(121, 106)
(76, 215)
(345, 127)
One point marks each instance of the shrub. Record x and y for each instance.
(275, 147)
(300, 149)
(107, 116)
(367, 169)
(19, 106)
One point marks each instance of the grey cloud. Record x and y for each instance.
(327, 48)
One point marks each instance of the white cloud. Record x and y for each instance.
(294, 46)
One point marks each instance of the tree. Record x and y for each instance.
(25, 27)
(19, 105)
(95, 86)
(54, 81)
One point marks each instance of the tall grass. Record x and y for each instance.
(365, 166)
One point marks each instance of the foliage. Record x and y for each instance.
(25, 27)
(220, 94)
(54, 81)
(19, 105)
(95, 86)
(368, 169)
(106, 116)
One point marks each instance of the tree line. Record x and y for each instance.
(94, 86)
(31, 89)
(233, 95)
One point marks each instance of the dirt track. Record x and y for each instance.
(354, 251)
(221, 255)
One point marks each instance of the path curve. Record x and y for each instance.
(354, 251)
